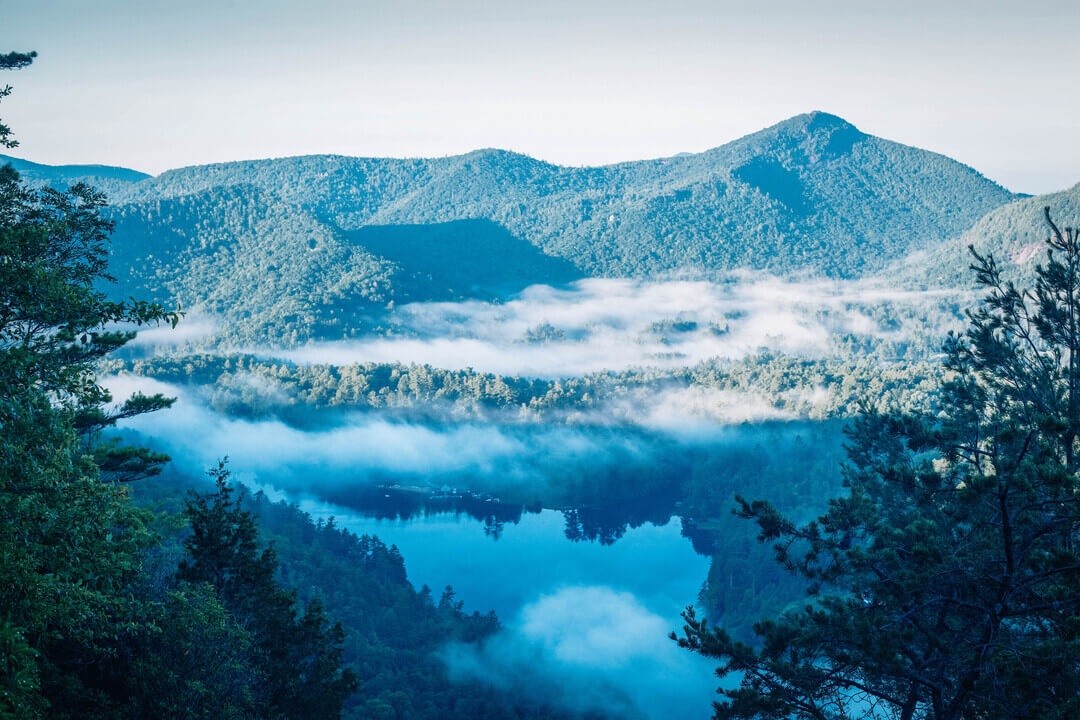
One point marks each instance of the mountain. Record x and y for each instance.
(318, 245)
(274, 271)
(1014, 233)
(105, 177)
(811, 193)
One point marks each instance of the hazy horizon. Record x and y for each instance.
(154, 86)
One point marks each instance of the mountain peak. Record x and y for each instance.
(814, 135)
(815, 122)
(494, 153)
(819, 119)
(495, 158)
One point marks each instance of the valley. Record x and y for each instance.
(547, 386)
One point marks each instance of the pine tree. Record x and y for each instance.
(946, 583)
(71, 544)
(299, 655)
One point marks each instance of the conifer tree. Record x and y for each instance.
(298, 654)
(946, 583)
(71, 544)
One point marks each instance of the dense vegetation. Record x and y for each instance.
(274, 271)
(91, 625)
(1011, 233)
(389, 631)
(799, 195)
(785, 388)
(103, 177)
(791, 387)
(945, 582)
(318, 246)
(108, 609)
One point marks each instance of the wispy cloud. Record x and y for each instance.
(606, 324)
(192, 328)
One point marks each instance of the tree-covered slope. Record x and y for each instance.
(272, 270)
(103, 177)
(262, 267)
(1014, 233)
(811, 193)
(393, 631)
(319, 246)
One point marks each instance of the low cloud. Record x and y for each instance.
(190, 329)
(701, 407)
(366, 447)
(592, 648)
(609, 324)
(193, 431)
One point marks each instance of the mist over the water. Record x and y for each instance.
(591, 648)
(647, 434)
(351, 450)
(587, 633)
(613, 324)
(587, 640)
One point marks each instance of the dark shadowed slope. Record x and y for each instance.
(462, 258)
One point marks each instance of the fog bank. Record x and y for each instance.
(611, 324)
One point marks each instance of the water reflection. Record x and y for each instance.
(395, 502)
(591, 523)
(501, 555)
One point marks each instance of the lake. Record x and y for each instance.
(587, 596)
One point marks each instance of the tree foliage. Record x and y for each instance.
(11, 61)
(71, 546)
(298, 654)
(91, 625)
(946, 583)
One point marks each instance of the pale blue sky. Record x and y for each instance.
(153, 85)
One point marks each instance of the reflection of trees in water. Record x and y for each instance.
(607, 523)
(593, 523)
(387, 503)
(493, 527)
(646, 479)
(704, 541)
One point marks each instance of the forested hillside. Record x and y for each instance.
(274, 269)
(318, 246)
(812, 192)
(248, 387)
(391, 629)
(1015, 234)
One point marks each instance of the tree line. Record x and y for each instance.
(213, 606)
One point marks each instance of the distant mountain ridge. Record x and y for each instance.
(812, 194)
(105, 177)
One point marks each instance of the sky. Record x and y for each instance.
(154, 85)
